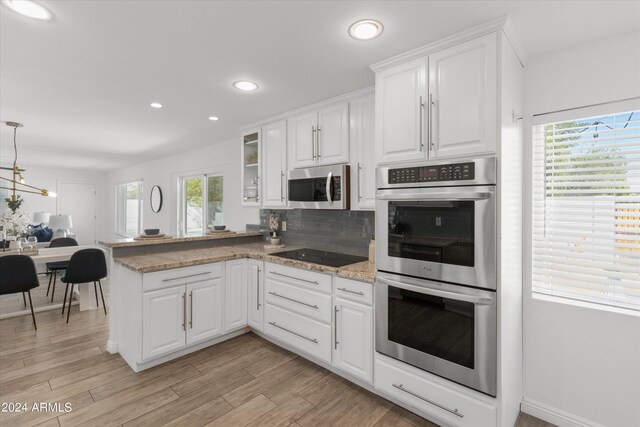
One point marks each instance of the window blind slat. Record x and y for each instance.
(586, 209)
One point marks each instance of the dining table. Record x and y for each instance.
(45, 255)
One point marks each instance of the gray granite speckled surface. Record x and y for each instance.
(146, 263)
(128, 242)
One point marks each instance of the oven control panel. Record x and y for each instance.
(437, 173)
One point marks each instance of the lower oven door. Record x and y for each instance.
(448, 330)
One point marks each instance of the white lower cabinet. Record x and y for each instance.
(255, 293)
(235, 295)
(429, 397)
(353, 339)
(179, 316)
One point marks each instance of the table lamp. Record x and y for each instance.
(60, 224)
(41, 218)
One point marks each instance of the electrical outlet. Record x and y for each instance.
(284, 225)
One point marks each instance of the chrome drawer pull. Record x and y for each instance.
(351, 292)
(186, 277)
(315, 341)
(293, 300)
(294, 278)
(453, 411)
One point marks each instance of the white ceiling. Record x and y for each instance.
(82, 83)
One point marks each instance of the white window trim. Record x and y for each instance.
(530, 122)
(180, 205)
(118, 205)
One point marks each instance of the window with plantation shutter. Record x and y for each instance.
(586, 209)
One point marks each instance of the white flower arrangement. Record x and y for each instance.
(273, 224)
(15, 223)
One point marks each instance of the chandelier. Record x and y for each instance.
(17, 182)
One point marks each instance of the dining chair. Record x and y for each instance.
(86, 265)
(54, 267)
(18, 274)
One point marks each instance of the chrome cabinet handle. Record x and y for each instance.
(295, 278)
(328, 187)
(335, 327)
(282, 186)
(313, 142)
(258, 290)
(293, 300)
(420, 110)
(186, 277)
(351, 292)
(453, 411)
(191, 309)
(318, 142)
(358, 183)
(432, 103)
(184, 311)
(315, 341)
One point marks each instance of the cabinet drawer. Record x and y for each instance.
(308, 335)
(451, 407)
(181, 276)
(352, 290)
(299, 300)
(295, 276)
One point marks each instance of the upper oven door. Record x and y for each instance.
(441, 233)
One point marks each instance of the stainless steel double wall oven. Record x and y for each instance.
(436, 260)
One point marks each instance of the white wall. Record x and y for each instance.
(580, 364)
(223, 157)
(50, 178)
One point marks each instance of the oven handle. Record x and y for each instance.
(478, 300)
(328, 189)
(437, 195)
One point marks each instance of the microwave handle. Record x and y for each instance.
(444, 196)
(328, 188)
(478, 300)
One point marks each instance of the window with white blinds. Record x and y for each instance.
(586, 209)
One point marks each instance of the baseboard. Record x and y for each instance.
(554, 415)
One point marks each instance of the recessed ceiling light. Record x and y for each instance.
(155, 105)
(245, 85)
(365, 29)
(28, 8)
(213, 118)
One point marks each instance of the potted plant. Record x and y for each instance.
(273, 226)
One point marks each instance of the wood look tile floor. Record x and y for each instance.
(246, 381)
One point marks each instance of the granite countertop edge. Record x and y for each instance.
(128, 242)
(362, 271)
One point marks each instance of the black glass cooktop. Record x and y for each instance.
(331, 259)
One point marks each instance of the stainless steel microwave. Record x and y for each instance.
(322, 187)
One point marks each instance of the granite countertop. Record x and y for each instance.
(126, 242)
(363, 271)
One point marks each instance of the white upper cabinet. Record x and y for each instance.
(332, 138)
(463, 92)
(251, 165)
(319, 137)
(302, 139)
(363, 163)
(400, 116)
(274, 164)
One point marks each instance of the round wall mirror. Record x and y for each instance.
(156, 199)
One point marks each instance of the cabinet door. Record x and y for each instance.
(400, 112)
(204, 310)
(353, 340)
(462, 86)
(302, 139)
(363, 163)
(163, 321)
(274, 164)
(251, 162)
(333, 134)
(255, 289)
(235, 295)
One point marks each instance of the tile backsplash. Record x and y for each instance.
(345, 231)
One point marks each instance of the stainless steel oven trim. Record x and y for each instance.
(327, 172)
(482, 274)
(483, 376)
(485, 173)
